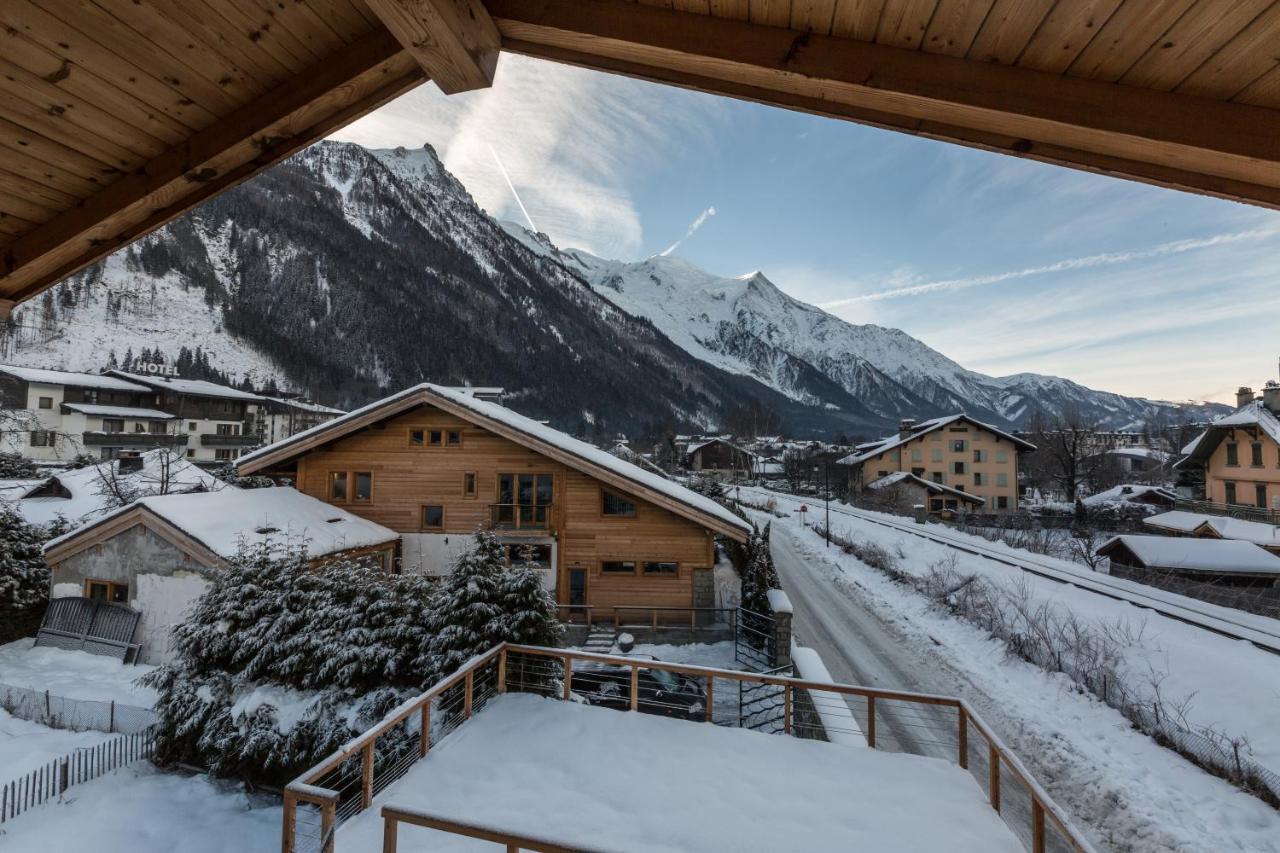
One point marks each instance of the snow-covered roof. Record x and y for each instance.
(1197, 555)
(934, 488)
(1129, 492)
(66, 377)
(529, 431)
(281, 517)
(871, 449)
(1254, 414)
(1179, 521)
(90, 498)
(118, 411)
(696, 446)
(194, 387)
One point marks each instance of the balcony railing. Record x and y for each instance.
(345, 783)
(134, 439)
(1240, 511)
(213, 439)
(520, 517)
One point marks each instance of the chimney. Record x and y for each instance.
(1271, 396)
(1244, 396)
(905, 427)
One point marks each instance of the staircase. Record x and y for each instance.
(601, 639)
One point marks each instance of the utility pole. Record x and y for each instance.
(826, 492)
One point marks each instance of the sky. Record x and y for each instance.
(1005, 265)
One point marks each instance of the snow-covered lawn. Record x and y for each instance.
(73, 674)
(634, 782)
(25, 746)
(141, 810)
(1136, 794)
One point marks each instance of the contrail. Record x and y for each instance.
(1176, 247)
(523, 209)
(697, 223)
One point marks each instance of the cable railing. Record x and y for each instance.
(942, 727)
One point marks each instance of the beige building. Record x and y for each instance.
(1240, 452)
(954, 451)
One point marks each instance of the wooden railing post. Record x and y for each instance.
(1037, 825)
(466, 694)
(786, 709)
(328, 820)
(711, 695)
(366, 775)
(424, 736)
(390, 832)
(288, 838)
(502, 671)
(568, 677)
(963, 745)
(993, 775)
(635, 687)
(653, 615)
(871, 721)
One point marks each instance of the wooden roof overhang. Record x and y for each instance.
(120, 114)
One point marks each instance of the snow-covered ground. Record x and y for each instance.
(1131, 793)
(142, 810)
(634, 782)
(25, 746)
(73, 674)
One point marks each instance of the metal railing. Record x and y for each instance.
(215, 439)
(345, 783)
(531, 517)
(1240, 511)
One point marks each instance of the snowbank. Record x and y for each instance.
(778, 602)
(74, 674)
(662, 786)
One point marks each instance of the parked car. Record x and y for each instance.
(667, 694)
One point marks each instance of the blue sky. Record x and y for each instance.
(1002, 264)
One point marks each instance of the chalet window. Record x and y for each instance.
(453, 438)
(46, 402)
(1002, 479)
(1002, 502)
(112, 425)
(435, 438)
(433, 517)
(616, 506)
(192, 426)
(919, 472)
(226, 454)
(364, 485)
(417, 437)
(42, 438)
(158, 427)
(1231, 492)
(937, 477)
(338, 486)
(523, 500)
(662, 569)
(139, 427)
(977, 478)
(1233, 454)
(1260, 491)
(1256, 454)
(90, 395)
(618, 567)
(957, 467)
(469, 484)
(978, 456)
(958, 445)
(191, 453)
(107, 591)
(228, 429)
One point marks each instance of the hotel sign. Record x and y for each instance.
(156, 370)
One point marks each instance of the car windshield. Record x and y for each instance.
(666, 680)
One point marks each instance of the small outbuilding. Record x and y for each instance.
(1221, 562)
(156, 554)
(906, 489)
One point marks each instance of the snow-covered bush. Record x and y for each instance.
(24, 576)
(282, 661)
(14, 466)
(229, 475)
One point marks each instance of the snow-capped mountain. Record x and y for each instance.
(747, 325)
(346, 273)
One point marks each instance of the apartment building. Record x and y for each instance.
(1239, 453)
(954, 451)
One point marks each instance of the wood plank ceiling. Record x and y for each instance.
(117, 115)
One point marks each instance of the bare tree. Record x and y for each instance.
(1067, 448)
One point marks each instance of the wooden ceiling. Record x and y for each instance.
(117, 115)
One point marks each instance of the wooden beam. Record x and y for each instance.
(455, 41)
(1225, 149)
(365, 75)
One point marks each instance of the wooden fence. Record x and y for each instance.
(379, 756)
(50, 781)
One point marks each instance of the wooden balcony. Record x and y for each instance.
(133, 439)
(520, 518)
(245, 439)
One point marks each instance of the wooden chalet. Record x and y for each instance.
(118, 115)
(435, 464)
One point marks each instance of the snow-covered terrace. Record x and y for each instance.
(503, 752)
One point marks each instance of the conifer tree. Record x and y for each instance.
(469, 616)
(24, 577)
(758, 572)
(530, 608)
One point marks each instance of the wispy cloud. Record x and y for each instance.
(694, 226)
(1087, 262)
(574, 141)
